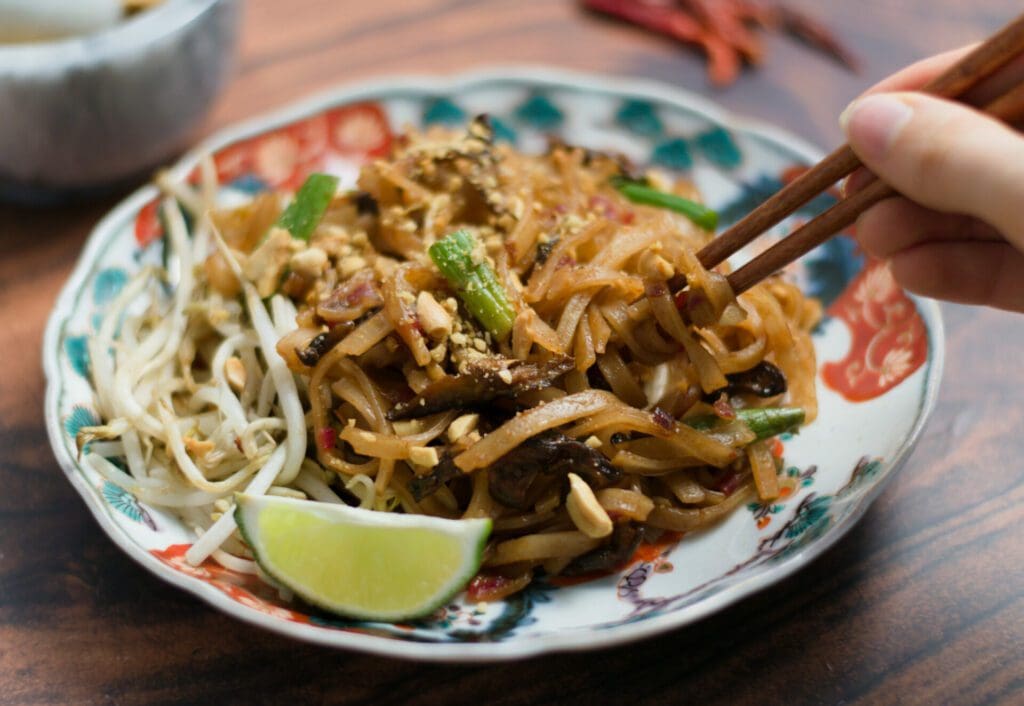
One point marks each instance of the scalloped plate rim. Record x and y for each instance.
(576, 639)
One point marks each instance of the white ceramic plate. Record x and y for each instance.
(879, 351)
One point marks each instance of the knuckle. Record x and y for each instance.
(932, 161)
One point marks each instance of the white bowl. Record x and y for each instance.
(86, 112)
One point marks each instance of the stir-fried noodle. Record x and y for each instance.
(472, 332)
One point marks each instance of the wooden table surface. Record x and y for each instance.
(923, 602)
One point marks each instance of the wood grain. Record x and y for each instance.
(921, 603)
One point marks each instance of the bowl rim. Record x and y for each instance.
(572, 640)
(124, 38)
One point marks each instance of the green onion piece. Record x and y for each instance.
(765, 422)
(476, 284)
(638, 192)
(309, 205)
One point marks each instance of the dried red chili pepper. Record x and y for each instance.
(723, 29)
(815, 35)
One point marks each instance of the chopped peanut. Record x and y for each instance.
(198, 448)
(407, 427)
(425, 456)
(462, 426)
(310, 262)
(350, 265)
(234, 371)
(433, 318)
(586, 513)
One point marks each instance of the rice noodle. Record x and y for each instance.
(330, 387)
(538, 547)
(530, 423)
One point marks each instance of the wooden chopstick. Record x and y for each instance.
(982, 62)
(1009, 107)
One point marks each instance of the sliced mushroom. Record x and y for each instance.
(444, 471)
(484, 380)
(763, 380)
(522, 475)
(608, 557)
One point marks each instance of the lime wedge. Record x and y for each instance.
(361, 563)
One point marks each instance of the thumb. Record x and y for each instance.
(944, 155)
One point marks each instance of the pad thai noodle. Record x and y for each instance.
(469, 332)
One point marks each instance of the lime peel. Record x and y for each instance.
(361, 563)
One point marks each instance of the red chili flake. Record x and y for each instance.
(358, 293)
(326, 438)
(483, 585)
(655, 289)
(681, 299)
(729, 483)
(607, 208)
(566, 261)
(722, 407)
(663, 419)
(694, 300)
(602, 205)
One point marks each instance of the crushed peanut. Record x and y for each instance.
(348, 266)
(438, 352)
(433, 318)
(234, 371)
(462, 426)
(198, 448)
(586, 513)
(310, 262)
(407, 427)
(425, 456)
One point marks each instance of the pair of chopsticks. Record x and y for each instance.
(978, 65)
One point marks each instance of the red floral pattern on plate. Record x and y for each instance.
(147, 225)
(284, 157)
(247, 589)
(889, 340)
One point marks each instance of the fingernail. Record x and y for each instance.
(872, 123)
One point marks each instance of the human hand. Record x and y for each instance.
(957, 233)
